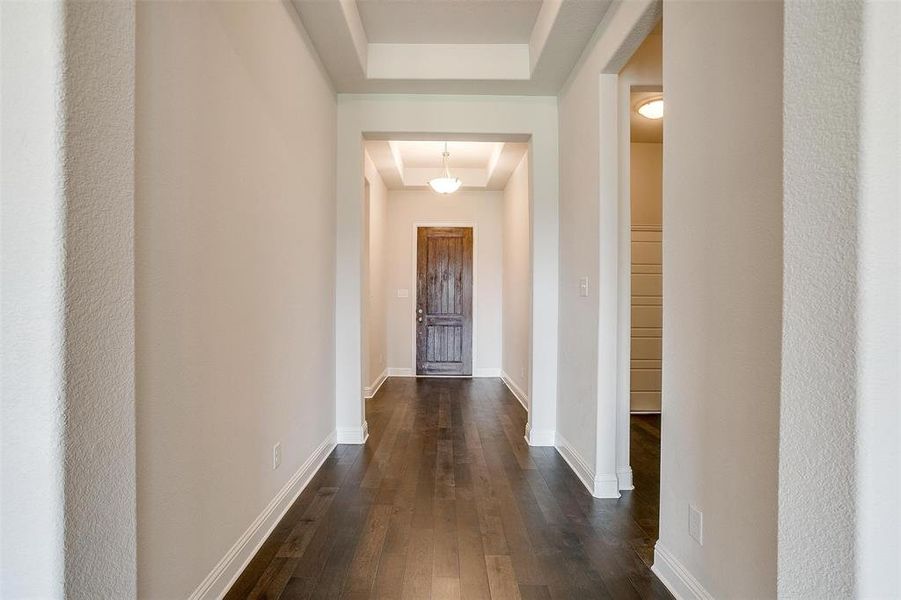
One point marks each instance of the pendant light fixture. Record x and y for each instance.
(445, 184)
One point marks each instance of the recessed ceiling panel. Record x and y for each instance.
(450, 46)
(410, 164)
(428, 154)
(448, 21)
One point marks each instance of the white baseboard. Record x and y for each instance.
(353, 435)
(489, 372)
(576, 462)
(539, 437)
(400, 372)
(604, 485)
(405, 372)
(624, 478)
(677, 579)
(516, 391)
(370, 391)
(227, 570)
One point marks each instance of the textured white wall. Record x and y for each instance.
(68, 475)
(722, 210)
(235, 221)
(32, 303)
(517, 278)
(485, 210)
(818, 384)
(839, 468)
(376, 315)
(100, 343)
(878, 536)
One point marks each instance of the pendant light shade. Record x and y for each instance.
(445, 184)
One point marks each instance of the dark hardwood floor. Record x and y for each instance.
(446, 500)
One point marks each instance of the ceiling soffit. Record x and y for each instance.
(450, 46)
(481, 165)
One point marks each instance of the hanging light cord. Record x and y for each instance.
(446, 158)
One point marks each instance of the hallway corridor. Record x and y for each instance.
(446, 500)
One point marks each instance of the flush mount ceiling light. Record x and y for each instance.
(445, 184)
(652, 108)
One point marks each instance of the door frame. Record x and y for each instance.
(475, 286)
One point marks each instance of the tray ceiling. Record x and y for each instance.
(450, 46)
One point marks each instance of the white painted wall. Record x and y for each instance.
(878, 452)
(589, 327)
(839, 451)
(465, 117)
(517, 280)
(376, 308)
(32, 217)
(67, 476)
(483, 211)
(646, 182)
(722, 335)
(578, 343)
(235, 221)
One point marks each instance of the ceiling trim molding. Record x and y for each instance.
(541, 31)
(494, 159)
(357, 31)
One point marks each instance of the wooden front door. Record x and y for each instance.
(444, 301)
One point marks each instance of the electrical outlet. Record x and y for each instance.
(696, 524)
(276, 455)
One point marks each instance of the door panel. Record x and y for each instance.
(444, 301)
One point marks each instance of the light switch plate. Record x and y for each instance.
(276, 455)
(401, 293)
(696, 524)
(583, 286)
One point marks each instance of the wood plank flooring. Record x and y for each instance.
(446, 500)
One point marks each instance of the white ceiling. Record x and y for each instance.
(409, 164)
(448, 21)
(450, 46)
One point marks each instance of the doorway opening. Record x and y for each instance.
(448, 284)
(641, 101)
